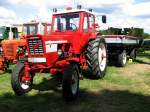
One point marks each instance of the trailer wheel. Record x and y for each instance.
(70, 83)
(122, 59)
(18, 85)
(97, 57)
(133, 54)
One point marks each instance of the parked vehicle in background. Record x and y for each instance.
(123, 43)
(14, 47)
(6, 32)
(146, 44)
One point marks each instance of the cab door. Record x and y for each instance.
(91, 21)
(85, 30)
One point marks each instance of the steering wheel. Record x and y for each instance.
(73, 26)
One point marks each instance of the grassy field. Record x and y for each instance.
(123, 89)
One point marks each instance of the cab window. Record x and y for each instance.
(91, 21)
(66, 22)
(30, 29)
(85, 24)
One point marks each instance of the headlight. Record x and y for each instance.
(26, 53)
(59, 52)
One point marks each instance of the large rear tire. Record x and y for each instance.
(70, 82)
(97, 57)
(18, 85)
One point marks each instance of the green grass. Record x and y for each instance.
(123, 89)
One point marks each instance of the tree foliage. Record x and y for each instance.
(136, 32)
(146, 35)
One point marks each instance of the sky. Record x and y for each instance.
(120, 13)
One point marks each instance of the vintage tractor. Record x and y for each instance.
(5, 33)
(73, 45)
(13, 49)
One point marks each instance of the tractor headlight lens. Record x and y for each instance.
(26, 53)
(59, 52)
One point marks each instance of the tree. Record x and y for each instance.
(146, 35)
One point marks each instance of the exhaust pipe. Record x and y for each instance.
(10, 34)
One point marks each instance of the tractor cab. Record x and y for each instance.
(75, 26)
(77, 20)
(34, 27)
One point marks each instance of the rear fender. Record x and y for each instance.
(94, 35)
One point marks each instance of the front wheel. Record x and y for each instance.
(70, 82)
(20, 86)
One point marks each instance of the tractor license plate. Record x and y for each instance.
(37, 60)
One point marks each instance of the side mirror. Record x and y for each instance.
(95, 25)
(103, 19)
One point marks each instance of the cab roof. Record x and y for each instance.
(72, 11)
(35, 22)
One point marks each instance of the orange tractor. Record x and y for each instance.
(5, 33)
(13, 49)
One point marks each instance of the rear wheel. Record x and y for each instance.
(97, 57)
(19, 86)
(122, 59)
(133, 54)
(70, 82)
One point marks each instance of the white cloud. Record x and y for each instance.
(42, 7)
(6, 16)
(137, 9)
(35, 3)
(6, 13)
(99, 3)
(125, 16)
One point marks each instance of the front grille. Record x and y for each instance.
(35, 46)
(8, 50)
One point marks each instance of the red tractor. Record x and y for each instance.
(72, 45)
(13, 49)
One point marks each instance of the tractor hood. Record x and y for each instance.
(40, 46)
(44, 48)
(62, 36)
(54, 37)
(75, 39)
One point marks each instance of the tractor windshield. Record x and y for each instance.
(30, 29)
(66, 22)
(37, 28)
